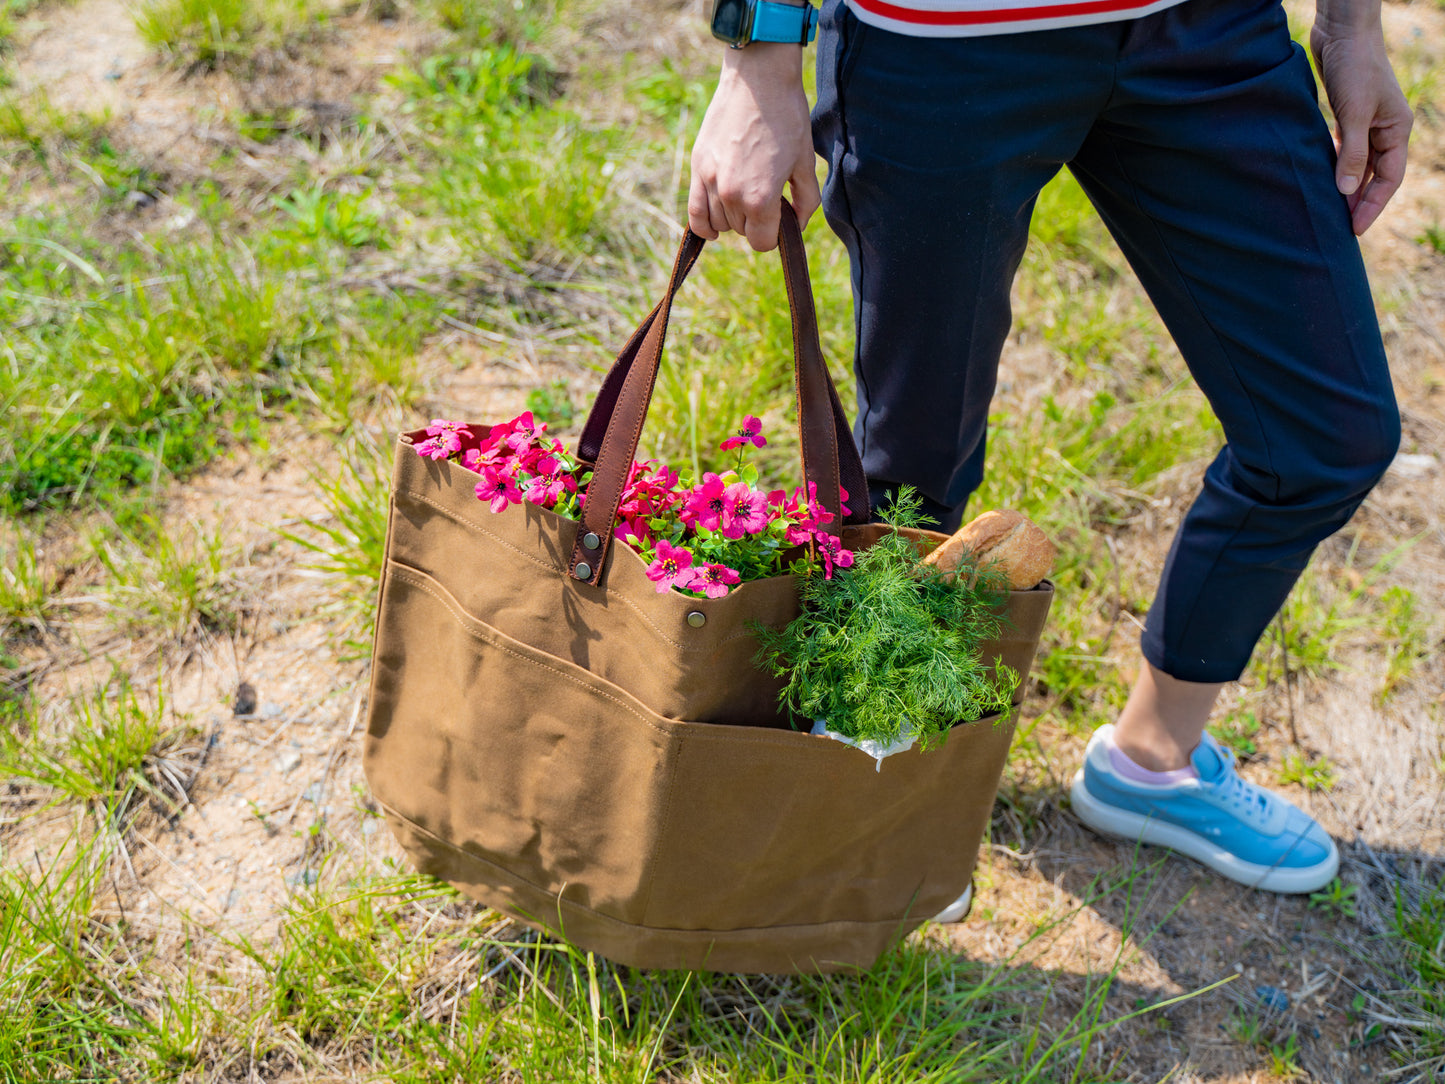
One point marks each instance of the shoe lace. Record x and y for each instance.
(1246, 798)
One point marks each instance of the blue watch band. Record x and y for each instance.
(784, 22)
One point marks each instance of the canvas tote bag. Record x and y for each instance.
(563, 743)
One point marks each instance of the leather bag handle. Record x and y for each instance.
(614, 426)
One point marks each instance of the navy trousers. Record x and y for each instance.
(1197, 135)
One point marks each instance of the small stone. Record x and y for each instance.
(313, 792)
(271, 711)
(1410, 466)
(1272, 997)
(233, 898)
(137, 200)
(288, 762)
(245, 699)
(369, 827)
(305, 877)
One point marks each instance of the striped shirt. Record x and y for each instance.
(968, 18)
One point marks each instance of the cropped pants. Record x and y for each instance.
(1196, 133)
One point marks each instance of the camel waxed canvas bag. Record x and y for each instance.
(557, 739)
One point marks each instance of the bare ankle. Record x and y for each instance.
(1158, 752)
(1162, 722)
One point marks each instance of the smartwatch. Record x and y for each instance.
(742, 22)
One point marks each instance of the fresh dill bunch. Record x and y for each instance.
(888, 648)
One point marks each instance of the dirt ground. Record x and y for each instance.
(279, 709)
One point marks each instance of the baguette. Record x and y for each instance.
(1007, 540)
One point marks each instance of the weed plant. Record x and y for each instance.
(112, 755)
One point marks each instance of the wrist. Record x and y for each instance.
(774, 63)
(1348, 19)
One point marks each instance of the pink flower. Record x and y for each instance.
(439, 447)
(525, 431)
(672, 568)
(546, 490)
(499, 487)
(634, 532)
(713, 580)
(814, 514)
(833, 553)
(490, 452)
(798, 534)
(750, 433)
(441, 425)
(648, 494)
(703, 505)
(445, 438)
(745, 511)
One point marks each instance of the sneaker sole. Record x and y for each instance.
(1111, 821)
(958, 910)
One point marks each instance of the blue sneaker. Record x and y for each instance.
(1241, 830)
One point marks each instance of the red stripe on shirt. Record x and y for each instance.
(1004, 15)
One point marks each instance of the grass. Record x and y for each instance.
(175, 582)
(1312, 774)
(346, 545)
(112, 751)
(1417, 931)
(63, 1019)
(179, 348)
(208, 33)
(399, 977)
(24, 584)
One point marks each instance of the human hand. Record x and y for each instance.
(1372, 119)
(755, 138)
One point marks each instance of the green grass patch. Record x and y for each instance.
(1417, 926)
(344, 217)
(207, 33)
(131, 366)
(64, 1018)
(111, 753)
(1312, 773)
(403, 974)
(173, 582)
(25, 584)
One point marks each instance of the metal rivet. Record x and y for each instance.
(583, 570)
(697, 619)
(591, 541)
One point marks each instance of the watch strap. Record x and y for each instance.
(784, 22)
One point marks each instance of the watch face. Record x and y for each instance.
(729, 19)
